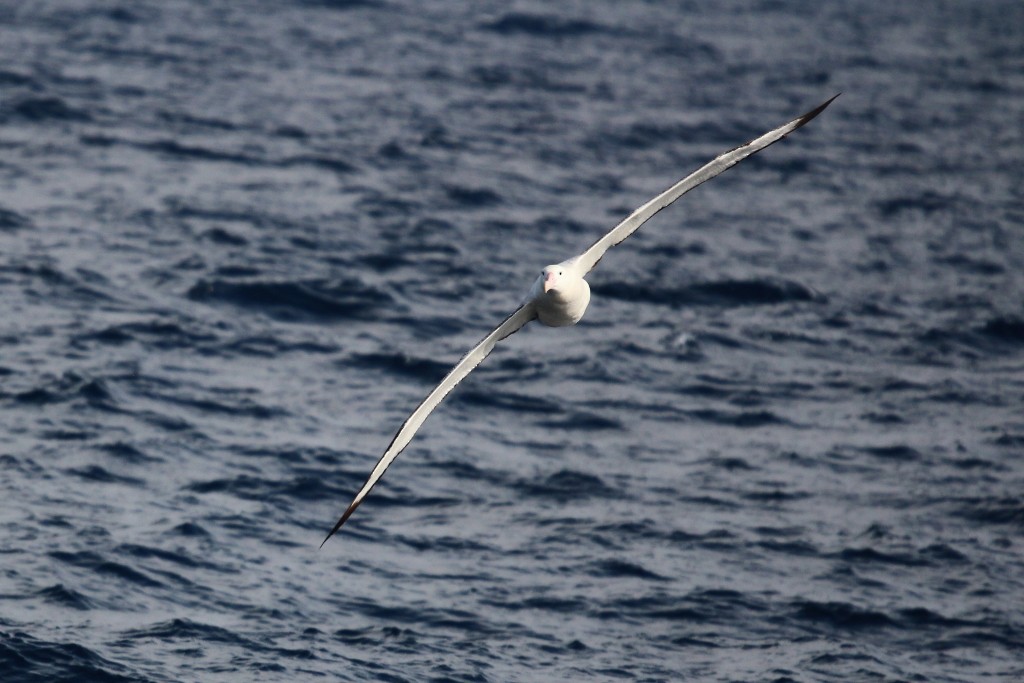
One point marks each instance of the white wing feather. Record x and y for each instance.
(513, 323)
(586, 261)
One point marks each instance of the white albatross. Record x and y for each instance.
(560, 295)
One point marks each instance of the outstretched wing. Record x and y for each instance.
(523, 315)
(586, 261)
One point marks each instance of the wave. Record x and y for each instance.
(1007, 510)
(27, 659)
(402, 365)
(101, 475)
(71, 288)
(61, 595)
(566, 485)
(621, 569)
(106, 568)
(12, 221)
(156, 333)
(758, 292)
(175, 149)
(543, 26)
(744, 419)
(41, 110)
(993, 337)
(297, 301)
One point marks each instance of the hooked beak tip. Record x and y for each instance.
(549, 282)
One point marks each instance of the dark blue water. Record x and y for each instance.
(238, 244)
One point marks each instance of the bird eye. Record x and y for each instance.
(559, 272)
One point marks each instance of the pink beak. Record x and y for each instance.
(549, 282)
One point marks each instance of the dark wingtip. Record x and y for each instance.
(341, 521)
(817, 110)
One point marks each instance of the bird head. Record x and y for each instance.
(552, 278)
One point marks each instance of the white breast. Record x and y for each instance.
(559, 309)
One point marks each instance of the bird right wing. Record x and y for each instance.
(586, 261)
(512, 324)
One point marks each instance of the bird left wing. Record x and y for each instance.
(512, 324)
(586, 261)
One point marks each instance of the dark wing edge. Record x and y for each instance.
(723, 162)
(459, 371)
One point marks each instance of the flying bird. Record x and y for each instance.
(560, 295)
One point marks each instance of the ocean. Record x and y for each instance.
(240, 242)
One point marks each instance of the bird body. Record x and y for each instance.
(560, 295)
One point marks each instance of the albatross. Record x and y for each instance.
(560, 295)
